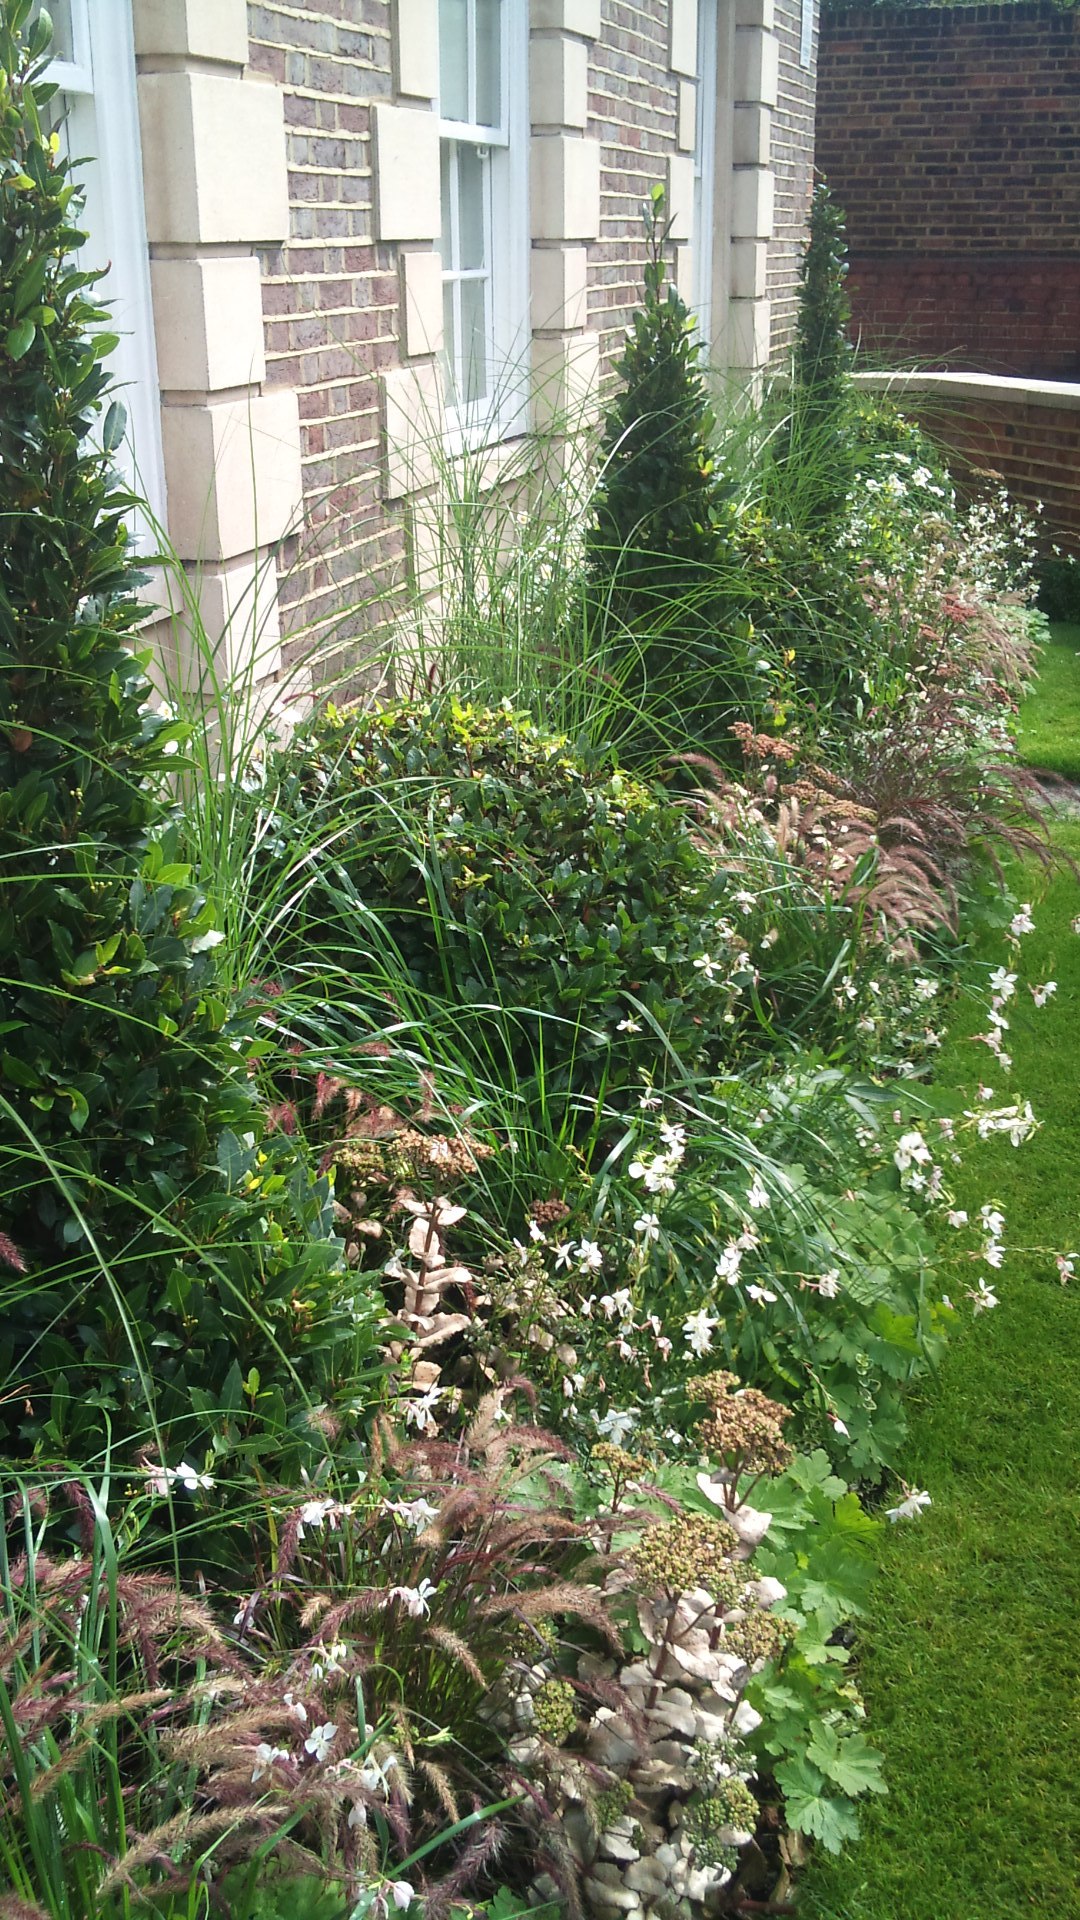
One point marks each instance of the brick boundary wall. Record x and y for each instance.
(793, 163)
(951, 138)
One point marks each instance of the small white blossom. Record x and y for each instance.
(589, 1256)
(1002, 983)
(1022, 922)
(828, 1284)
(265, 1756)
(415, 1600)
(699, 1329)
(418, 1412)
(320, 1740)
(1041, 995)
(911, 1506)
(616, 1426)
(760, 1293)
(758, 1194)
(648, 1226)
(727, 1267)
(414, 1514)
(564, 1254)
(982, 1298)
(957, 1217)
(628, 1026)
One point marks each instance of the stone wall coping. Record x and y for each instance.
(1061, 394)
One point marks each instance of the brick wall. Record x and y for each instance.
(633, 106)
(1035, 450)
(951, 137)
(793, 165)
(330, 301)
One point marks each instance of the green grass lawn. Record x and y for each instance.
(1049, 732)
(971, 1662)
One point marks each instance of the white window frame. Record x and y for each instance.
(705, 169)
(99, 102)
(502, 412)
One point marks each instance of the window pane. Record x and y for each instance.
(60, 14)
(454, 59)
(450, 343)
(473, 376)
(472, 186)
(488, 62)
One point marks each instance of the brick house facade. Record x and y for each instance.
(345, 199)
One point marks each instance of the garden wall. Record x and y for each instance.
(951, 137)
(1025, 432)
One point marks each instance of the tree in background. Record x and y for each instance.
(821, 434)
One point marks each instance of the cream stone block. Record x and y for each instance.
(753, 195)
(412, 426)
(750, 332)
(206, 29)
(422, 301)
(686, 121)
(407, 190)
(684, 273)
(565, 184)
(559, 288)
(566, 379)
(235, 610)
(682, 55)
(751, 135)
(416, 48)
(749, 269)
(756, 13)
(680, 195)
(757, 66)
(558, 82)
(208, 323)
(214, 166)
(232, 469)
(567, 16)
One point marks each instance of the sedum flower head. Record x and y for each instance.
(741, 1422)
(693, 1550)
(555, 1711)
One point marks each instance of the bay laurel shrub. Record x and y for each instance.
(586, 937)
(160, 1271)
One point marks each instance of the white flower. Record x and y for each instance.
(415, 1514)
(418, 1412)
(699, 1328)
(357, 1815)
(328, 1660)
(401, 1893)
(770, 939)
(727, 1267)
(985, 1093)
(1002, 983)
(1066, 1266)
(828, 1285)
(265, 1756)
(839, 1425)
(188, 1477)
(618, 1302)
(536, 1234)
(1041, 995)
(707, 965)
(320, 1740)
(760, 1293)
(925, 988)
(981, 1297)
(296, 1708)
(911, 1506)
(589, 1256)
(564, 1254)
(746, 901)
(911, 1149)
(758, 1195)
(316, 1513)
(994, 1253)
(628, 1026)
(616, 1426)
(1076, 924)
(415, 1600)
(1022, 922)
(674, 1139)
(648, 1226)
(956, 1217)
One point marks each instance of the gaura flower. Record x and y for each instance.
(265, 1756)
(415, 1600)
(1022, 922)
(911, 1506)
(648, 1226)
(758, 1195)
(1041, 995)
(699, 1329)
(982, 1298)
(320, 1741)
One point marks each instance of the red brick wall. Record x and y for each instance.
(793, 164)
(1035, 450)
(951, 137)
(330, 303)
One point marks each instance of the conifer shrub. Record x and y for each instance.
(659, 552)
(153, 1261)
(822, 427)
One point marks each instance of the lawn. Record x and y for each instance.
(971, 1666)
(1050, 722)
